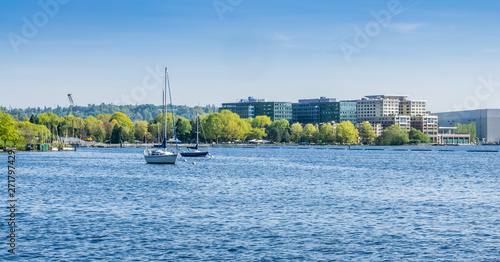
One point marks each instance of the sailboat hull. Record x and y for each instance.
(194, 154)
(166, 158)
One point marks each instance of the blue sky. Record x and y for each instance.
(445, 52)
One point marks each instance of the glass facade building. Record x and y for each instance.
(305, 113)
(324, 110)
(250, 108)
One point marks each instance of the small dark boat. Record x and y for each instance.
(162, 145)
(195, 152)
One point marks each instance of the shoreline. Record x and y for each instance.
(414, 148)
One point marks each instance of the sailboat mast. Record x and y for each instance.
(197, 132)
(165, 107)
(173, 117)
(161, 110)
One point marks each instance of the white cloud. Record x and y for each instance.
(406, 28)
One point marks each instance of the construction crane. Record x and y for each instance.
(72, 106)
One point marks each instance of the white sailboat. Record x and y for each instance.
(162, 155)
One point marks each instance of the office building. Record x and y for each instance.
(372, 107)
(251, 107)
(447, 136)
(324, 110)
(427, 124)
(412, 107)
(244, 110)
(487, 122)
(305, 113)
(388, 110)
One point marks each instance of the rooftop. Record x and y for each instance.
(394, 97)
(322, 99)
(252, 99)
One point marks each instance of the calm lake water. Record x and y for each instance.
(259, 204)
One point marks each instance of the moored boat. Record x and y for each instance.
(162, 155)
(195, 152)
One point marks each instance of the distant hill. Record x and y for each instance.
(136, 113)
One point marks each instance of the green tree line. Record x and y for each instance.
(214, 127)
(134, 112)
(395, 135)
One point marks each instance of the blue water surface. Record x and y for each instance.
(259, 204)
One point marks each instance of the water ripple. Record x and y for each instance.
(259, 204)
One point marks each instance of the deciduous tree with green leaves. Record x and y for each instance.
(31, 133)
(346, 133)
(232, 131)
(94, 129)
(261, 122)
(296, 132)
(121, 133)
(141, 130)
(110, 127)
(8, 132)
(416, 136)
(278, 131)
(310, 133)
(103, 117)
(124, 120)
(366, 133)
(183, 128)
(393, 135)
(327, 133)
(281, 124)
(258, 127)
(27, 131)
(214, 125)
(467, 129)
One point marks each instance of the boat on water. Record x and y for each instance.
(195, 152)
(163, 155)
(160, 156)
